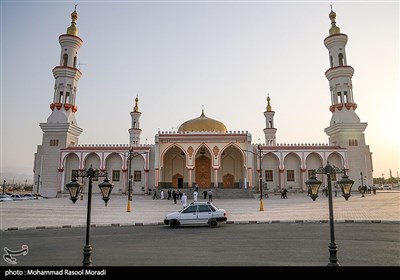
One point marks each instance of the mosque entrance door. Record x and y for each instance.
(203, 172)
(177, 181)
(227, 181)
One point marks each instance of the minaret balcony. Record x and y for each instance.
(335, 40)
(339, 72)
(340, 106)
(66, 106)
(66, 72)
(68, 40)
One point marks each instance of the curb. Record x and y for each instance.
(228, 223)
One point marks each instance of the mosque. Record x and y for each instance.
(202, 152)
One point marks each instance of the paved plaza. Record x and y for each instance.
(384, 207)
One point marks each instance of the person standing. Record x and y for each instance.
(210, 195)
(184, 200)
(174, 196)
(195, 194)
(162, 194)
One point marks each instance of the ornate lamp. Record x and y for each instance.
(346, 184)
(74, 189)
(313, 185)
(106, 188)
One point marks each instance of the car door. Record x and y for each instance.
(204, 214)
(189, 215)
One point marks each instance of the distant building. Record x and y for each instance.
(202, 151)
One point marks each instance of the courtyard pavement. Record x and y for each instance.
(384, 207)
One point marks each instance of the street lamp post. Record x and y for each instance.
(345, 184)
(4, 186)
(130, 157)
(261, 186)
(362, 184)
(259, 154)
(37, 189)
(74, 188)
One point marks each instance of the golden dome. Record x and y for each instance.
(202, 123)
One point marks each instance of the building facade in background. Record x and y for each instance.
(202, 152)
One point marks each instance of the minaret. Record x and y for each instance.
(345, 128)
(269, 130)
(135, 131)
(60, 130)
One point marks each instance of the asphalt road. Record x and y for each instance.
(276, 244)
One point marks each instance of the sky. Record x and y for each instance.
(178, 56)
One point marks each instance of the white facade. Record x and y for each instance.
(202, 151)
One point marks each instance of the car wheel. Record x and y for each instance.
(213, 223)
(174, 224)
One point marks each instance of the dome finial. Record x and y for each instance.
(202, 111)
(268, 104)
(136, 108)
(73, 30)
(334, 29)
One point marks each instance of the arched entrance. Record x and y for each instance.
(203, 172)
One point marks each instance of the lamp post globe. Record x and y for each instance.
(74, 189)
(313, 186)
(106, 188)
(345, 185)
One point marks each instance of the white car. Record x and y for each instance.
(5, 197)
(196, 213)
(386, 187)
(18, 197)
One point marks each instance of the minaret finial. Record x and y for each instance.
(268, 104)
(73, 30)
(136, 108)
(202, 111)
(334, 29)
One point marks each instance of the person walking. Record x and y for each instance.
(169, 194)
(284, 192)
(184, 200)
(210, 195)
(195, 193)
(155, 194)
(205, 194)
(162, 194)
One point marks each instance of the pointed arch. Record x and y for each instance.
(65, 59)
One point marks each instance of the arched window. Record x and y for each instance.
(331, 61)
(341, 59)
(75, 62)
(65, 57)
